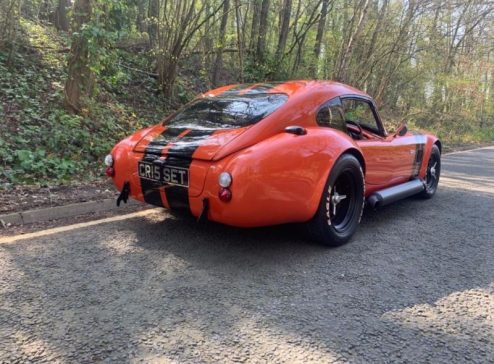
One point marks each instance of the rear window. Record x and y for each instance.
(227, 112)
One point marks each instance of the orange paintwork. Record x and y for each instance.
(277, 177)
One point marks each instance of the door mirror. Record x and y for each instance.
(402, 130)
(295, 129)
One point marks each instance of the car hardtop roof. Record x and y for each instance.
(286, 87)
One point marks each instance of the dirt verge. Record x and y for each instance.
(22, 198)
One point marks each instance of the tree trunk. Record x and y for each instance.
(61, 22)
(319, 36)
(300, 34)
(9, 25)
(167, 70)
(254, 30)
(341, 74)
(141, 15)
(79, 81)
(189, 17)
(153, 17)
(218, 63)
(240, 40)
(263, 30)
(285, 23)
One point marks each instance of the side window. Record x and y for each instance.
(360, 112)
(331, 115)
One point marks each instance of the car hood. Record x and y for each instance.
(185, 143)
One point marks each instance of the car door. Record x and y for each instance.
(385, 157)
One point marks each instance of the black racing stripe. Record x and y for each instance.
(187, 145)
(180, 155)
(151, 192)
(150, 189)
(169, 135)
(419, 153)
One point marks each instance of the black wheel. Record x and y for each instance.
(341, 204)
(433, 173)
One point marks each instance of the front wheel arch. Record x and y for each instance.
(432, 180)
(439, 145)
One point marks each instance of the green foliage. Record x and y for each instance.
(269, 69)
(40, 142)
(397, 55)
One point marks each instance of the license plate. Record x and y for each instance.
(165, 174)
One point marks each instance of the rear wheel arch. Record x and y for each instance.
(334, 229)
(350, 150)
(357, 154)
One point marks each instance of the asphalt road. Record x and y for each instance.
(416, 284)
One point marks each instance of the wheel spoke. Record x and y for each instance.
(336, 199)
(333, 200)
(432, 170)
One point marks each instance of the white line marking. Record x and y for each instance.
(469, 150)
(61, 229)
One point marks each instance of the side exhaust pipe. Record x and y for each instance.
(395, 193)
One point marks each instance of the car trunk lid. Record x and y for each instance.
(184, 143)
(179, 147)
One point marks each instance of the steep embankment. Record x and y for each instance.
(40, 142)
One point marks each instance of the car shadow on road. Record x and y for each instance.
(161, 287)
(414, 252)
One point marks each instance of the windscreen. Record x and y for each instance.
(227, 112)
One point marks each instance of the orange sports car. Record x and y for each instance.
(274, 153)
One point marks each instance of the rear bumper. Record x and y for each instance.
(155, 193)
(258, 199)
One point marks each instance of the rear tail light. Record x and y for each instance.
(225, 194)
(110, 172)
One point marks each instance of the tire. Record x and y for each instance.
(432, 174)
(337, 218)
